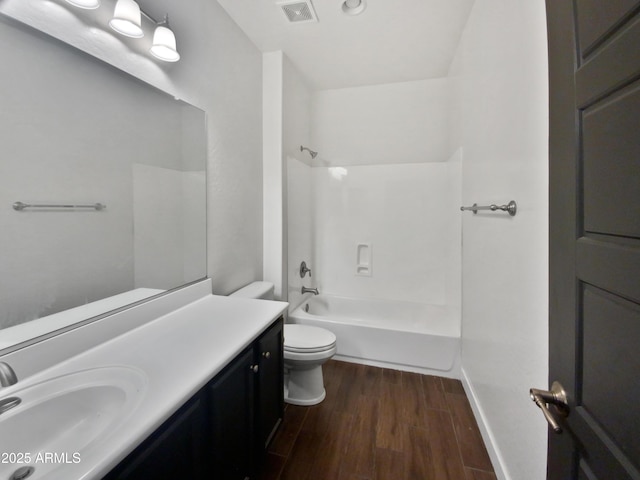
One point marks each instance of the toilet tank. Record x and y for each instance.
(262, 290)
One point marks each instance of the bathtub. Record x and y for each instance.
(395, 334)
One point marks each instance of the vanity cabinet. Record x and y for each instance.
(232, 420)
(222, 432)
(247, 406)
(270, 393)
(175, 450)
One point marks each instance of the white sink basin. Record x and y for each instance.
(63, 418)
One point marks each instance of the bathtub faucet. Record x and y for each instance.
(310, 290)
(7, 375)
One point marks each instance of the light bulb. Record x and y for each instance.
(88, 4)
(164, 45)
(127, 19)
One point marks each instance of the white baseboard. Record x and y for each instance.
(485, 431)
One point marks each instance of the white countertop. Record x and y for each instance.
(178, 352)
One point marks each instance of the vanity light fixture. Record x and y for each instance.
(164, 42)
(354, 7)
(88, 4)
(127, 19)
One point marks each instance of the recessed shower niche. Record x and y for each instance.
(79, 132)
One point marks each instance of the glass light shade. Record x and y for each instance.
(127, 19)
(88, 4)
(164, 45)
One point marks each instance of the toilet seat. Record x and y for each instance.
(309, 350)
(307, 339)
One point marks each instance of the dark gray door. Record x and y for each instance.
(594, 346)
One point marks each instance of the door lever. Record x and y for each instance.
(556, 396)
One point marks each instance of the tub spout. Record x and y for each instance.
(310, 290)
(7, 375)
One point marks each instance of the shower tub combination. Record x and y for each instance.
(396, 334)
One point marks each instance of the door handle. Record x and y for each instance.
(557, 397)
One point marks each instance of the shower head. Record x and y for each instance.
(311, 152)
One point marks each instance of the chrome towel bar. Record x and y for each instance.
(19, 206)
(511, 208)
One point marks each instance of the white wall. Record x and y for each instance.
(274, 175)
(499, 101)
(220, 72)
(287, 178)
(381, 124)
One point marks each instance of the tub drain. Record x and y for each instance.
(22, 473)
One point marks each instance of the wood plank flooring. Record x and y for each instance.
(380, 424)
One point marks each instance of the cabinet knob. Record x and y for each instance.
(254, 368)
(266, 355)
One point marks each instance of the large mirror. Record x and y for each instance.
(102, 188)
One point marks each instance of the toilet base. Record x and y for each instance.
(304, 386)
(304, 402)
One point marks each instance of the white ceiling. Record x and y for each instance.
(391, 41)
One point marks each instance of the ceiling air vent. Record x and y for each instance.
(299, 11)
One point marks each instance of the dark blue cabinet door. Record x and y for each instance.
(270, 394)
(231, 405)
(173, 451)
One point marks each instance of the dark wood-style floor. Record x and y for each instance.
(380, 424)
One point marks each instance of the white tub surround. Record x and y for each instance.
(391, 222)
(177, 354)
(401, 335)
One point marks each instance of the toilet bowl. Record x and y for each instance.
(306, 348)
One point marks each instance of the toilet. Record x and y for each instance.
(306, 349)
